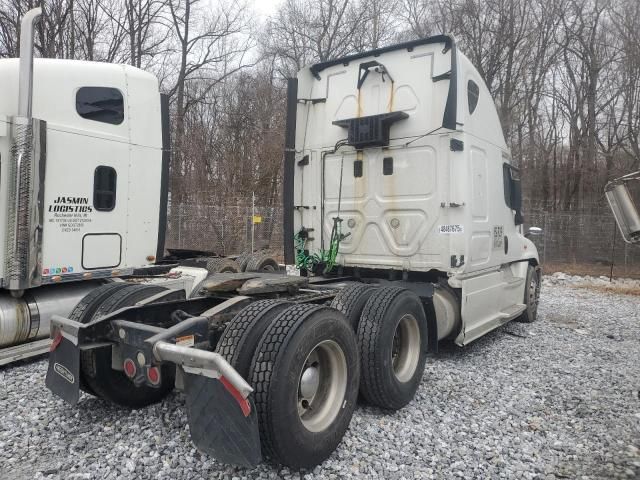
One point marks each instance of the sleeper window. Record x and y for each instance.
(100, 104)
(473, 92)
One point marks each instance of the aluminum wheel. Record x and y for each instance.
(322, 386)
(405, 351)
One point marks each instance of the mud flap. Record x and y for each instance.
(63, 376)
(222, 424)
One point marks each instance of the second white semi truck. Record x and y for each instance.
(402, 217)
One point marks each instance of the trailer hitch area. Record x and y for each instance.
(221, 413)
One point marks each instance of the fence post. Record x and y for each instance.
(180, 225)
(544, 240)
(253, 216)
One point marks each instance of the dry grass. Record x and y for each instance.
(594, 270)
(613, 288)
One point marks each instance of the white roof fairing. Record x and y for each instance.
(421, 72)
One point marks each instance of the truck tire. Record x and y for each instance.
(242, 260)
(531, 295)
(351, 301)
(262, 263)
(84, 310)
(242, 334)
(392, 336)
(113, 385)
(305, 374)
(222, 265)
(125, 297)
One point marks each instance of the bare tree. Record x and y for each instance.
(307, 31)
(209, 47)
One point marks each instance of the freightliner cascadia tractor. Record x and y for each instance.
(402, 228)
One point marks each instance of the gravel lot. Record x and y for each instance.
(556, 399)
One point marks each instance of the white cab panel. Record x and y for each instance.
(77, 146)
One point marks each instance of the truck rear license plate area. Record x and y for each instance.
(63, 376)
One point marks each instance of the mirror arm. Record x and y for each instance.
(624, 179)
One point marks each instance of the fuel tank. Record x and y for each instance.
(28, 318)
(447, 308)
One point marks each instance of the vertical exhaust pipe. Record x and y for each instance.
(25, 95)
(26, 168)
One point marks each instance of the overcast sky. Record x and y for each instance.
(266, 7)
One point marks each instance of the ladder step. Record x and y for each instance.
(513, 310)
(515, 281)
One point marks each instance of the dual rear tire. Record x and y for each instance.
(305, 373)
(391, 328)
(97, 376)
(307, 363)
(392, 336)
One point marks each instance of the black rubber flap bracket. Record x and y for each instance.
(370, 131)
(219, 426)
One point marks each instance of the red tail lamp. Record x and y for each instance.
(153, 374)
(129, 368)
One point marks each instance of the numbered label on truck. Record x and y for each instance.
(450, 229)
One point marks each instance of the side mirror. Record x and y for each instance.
(533, 232)
(624, 210)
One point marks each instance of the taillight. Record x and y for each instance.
(129, 368)
(153, 374)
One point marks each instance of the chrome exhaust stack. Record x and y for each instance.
(25, 205)
(25, 95)
(624, 208)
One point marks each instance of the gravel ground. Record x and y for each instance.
(556, 399)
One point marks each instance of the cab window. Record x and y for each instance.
(473, 93)
(513, 191)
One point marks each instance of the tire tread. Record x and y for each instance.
(237, 331)
(349, 301)
(273, 340)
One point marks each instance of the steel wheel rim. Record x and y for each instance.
(405, 348)
(322, 386)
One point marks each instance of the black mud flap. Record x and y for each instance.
(63, 376)
(222, 424)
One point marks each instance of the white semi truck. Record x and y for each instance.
(402, 216)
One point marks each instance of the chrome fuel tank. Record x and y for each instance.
(28, 317)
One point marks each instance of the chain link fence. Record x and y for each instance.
(581, 239)
(224, 230)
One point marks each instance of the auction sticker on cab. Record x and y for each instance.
(450, 229)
